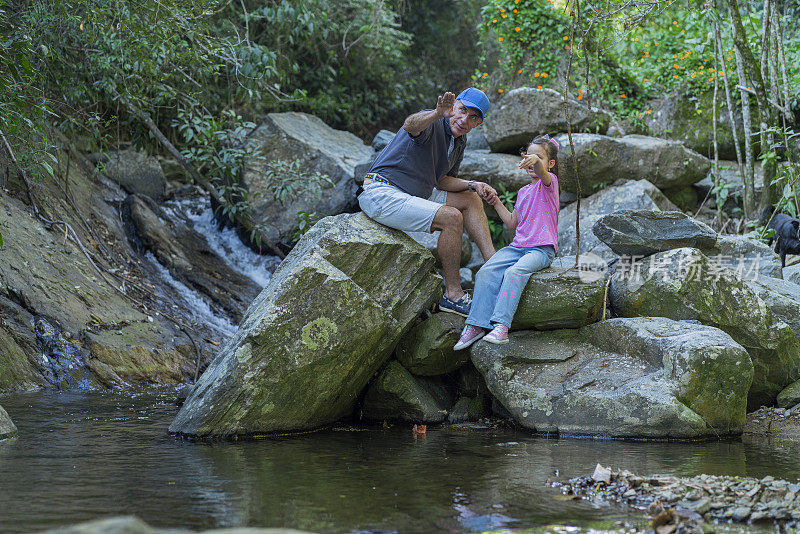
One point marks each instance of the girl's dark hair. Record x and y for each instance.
(551, 148)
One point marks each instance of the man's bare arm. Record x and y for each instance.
(416, 123)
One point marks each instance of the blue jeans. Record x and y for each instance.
(499, 283)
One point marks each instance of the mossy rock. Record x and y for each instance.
(7, 427)
(427, 349)
(398, 395)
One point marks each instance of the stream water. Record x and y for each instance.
(84, 455)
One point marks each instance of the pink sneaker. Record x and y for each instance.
(470, 335)
(498, 335)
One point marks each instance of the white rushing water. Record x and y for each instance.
(196, 212)
(196, 306)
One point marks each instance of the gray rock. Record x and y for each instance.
(134, 525)
(684, 284)
(749, 258)
(135, 172)
(731, 185)
(791, 272)
(466, 277)
(495, 169)
(319, 148)
(790, 396)
(645, 232)
(638, 195)
(381, 139)
(7, 427)
(525, 113)
(363, 168)
(640, 377)
(602, 160)
(427, 349)
(398, 395)
(476, 140)
(329, 318)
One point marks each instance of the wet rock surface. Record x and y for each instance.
(7, 427)
(699, 498)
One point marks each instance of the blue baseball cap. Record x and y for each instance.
(475, 98)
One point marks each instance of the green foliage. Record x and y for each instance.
(305, 221)
(288, 180)
(347, 56)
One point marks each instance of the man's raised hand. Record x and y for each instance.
(444, 107)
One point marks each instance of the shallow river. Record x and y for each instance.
(85, 455)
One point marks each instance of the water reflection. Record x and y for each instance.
(85, 455)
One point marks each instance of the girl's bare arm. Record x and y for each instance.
(509, 218)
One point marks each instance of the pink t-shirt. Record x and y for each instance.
(537, 214)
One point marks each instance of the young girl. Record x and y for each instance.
(499, 283)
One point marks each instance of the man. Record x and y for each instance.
(412, 185)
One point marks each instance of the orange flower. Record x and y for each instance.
(622, 95)
(499, 90)
(580, 95)
(566, 47)
(539, 87)
(494, 21)
(503, 15)
(502, 10)
(675, 22)
(694, 74)
(500, 39)
(566, 37)
(674, 56)
(517, 28)
(636, 39)
(647, 54)
(674, 75)
(675, 65)
(519, 71)
(544, 75)
(536, 75)
(513, 10)
(485, 74)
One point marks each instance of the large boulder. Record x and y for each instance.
(560, 297)
(329, 318)
(602, 160)
(684, 284)
(7, 427)
(525, 113)
(398, 395)
(690, 121)
(645, 232)
(427, 349)
(622, 378)
(790, 396)
(791, 272)
(318, 148)
(135, 172)
(634, 195)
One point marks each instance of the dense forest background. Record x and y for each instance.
(200, 73)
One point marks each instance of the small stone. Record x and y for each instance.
(741, 513)
(602, 474)
(629, 493)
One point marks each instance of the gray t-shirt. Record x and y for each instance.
(416, 164)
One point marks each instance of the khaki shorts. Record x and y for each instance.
(395, 208)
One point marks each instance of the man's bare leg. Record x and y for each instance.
(449, 221)
(475, 222)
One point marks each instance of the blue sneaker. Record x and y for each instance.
(459, 307)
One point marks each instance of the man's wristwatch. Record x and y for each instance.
(469, 185)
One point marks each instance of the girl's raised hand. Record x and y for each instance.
(529, 160)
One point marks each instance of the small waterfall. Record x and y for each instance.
(196, 212)
(196, 306)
